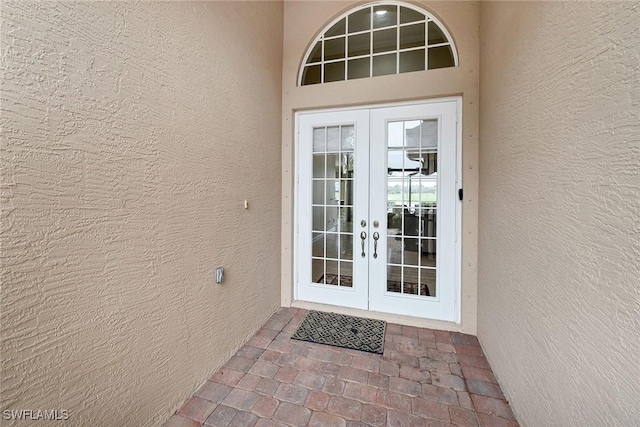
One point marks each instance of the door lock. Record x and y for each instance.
(376, 224)
(363, 223)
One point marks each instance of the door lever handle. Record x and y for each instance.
(376, 236)
(363, 237)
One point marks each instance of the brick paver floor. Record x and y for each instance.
(424, 378)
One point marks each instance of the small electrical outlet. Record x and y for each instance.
(219, 274)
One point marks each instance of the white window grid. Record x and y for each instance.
(321, 39)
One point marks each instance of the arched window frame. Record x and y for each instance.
(428, 17)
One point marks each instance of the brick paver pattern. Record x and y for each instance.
(424, 378)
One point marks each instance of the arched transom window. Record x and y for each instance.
(376, 40)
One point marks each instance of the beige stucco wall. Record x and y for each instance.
(559, 254)
(303, 21)
(132, 134)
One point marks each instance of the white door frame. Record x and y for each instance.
(455, 315)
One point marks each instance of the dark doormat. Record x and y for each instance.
(342, 331)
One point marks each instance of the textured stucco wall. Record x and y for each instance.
(132, 134)
(303, 21)
(559, 245)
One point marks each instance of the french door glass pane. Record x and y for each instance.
(318, 245)
(333, 241)
(332, 272)
(347, 163)
(346, 274)
(412, 184)
(318, 192)
(346, 219)
(318, 218)
(319, 165)
(319, 140)
(347, 138)
(317, 270)
(346, 247)
(410, 281)
(331, 218)
(333, 138)
(332, 199)
(428, 281)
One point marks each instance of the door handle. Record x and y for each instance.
(376, 236)
(363, 237)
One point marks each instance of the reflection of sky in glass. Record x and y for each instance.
(409, 134)
(412, 124)
(395, 134)
(399, 160)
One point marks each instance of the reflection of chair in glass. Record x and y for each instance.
(411, 228)
(429, 230)
(413, 223)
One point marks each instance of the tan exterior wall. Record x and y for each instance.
(559, 261)
(132, 134)
(303, 21)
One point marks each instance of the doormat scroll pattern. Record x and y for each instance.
(344, 331)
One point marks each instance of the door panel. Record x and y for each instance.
(333, 169)
(413, 184)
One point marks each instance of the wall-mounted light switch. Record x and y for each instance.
(246, 204)
(219, 274)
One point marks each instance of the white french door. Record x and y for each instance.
(377, 210)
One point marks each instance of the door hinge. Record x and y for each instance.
(460, 194)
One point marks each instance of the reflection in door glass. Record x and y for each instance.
(412, 194)
(332, 222)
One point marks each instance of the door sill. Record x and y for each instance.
(387, 317)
